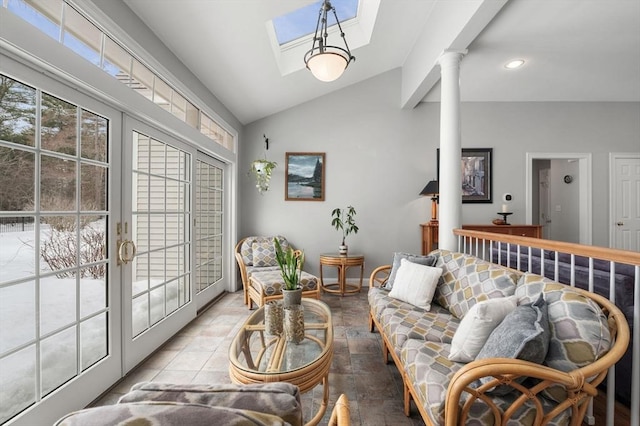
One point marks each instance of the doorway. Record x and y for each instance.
(624, 206)
(570, 179)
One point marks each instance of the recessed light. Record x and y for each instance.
(512, 65)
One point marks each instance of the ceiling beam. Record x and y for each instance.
(451, 26)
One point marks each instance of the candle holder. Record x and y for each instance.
(504, 217)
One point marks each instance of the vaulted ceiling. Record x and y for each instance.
(575, 50)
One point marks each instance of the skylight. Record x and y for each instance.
(302, 22)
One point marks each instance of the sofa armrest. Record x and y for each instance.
(506, 371)
(379, 276)
(279, 398)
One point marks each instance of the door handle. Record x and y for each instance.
(619, 223)
(123, 252)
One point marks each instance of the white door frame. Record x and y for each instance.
(585, 188)
(613, 156)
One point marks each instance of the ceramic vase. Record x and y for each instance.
(291, 297)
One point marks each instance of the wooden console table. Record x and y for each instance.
(430, 232)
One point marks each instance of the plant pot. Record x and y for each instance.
(291, 297)
(342, 249)
(293, 323)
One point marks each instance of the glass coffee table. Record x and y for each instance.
(257, 357)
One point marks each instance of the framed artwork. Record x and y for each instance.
(476, 169)
(304, 176)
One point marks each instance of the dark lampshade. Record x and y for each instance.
(431, 188)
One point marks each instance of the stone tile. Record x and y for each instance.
(189, 360)
(364, 346)
(140, 374)
(379, 412)
(160, 359)
(176, 376)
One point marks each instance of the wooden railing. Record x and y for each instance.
(543, 257)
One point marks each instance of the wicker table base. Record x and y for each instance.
(256, 357)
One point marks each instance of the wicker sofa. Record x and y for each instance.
(586, 335)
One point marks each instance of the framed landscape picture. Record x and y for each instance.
(304, 176)
(476, 169)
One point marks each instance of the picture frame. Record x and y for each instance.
(304, 176)
(477, 170)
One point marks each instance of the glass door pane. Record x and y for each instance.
(55, 313)
(209, 228)
(158, 281)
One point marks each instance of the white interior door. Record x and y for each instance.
(625, 201)
(545, 204)
(156, 235)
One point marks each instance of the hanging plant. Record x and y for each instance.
(261, 170)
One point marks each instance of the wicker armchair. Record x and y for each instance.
(256, 258)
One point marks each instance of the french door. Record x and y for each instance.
(155, 239)
(209, 223)
(60, 312)
(111, 237)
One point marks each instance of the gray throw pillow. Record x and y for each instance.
(523, 334)
(414, 258)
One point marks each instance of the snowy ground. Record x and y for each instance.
(58, 309)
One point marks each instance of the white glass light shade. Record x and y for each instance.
(327, 66)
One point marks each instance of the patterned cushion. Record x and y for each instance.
(264, 251)
(166, 414)
(429, 369)
(579, 331)
(436, 325)
(467, 280)
(379, 300)
(270, 282)
(280, 399)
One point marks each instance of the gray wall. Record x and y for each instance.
(378, 157)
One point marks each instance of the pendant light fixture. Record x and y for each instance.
(327, 63)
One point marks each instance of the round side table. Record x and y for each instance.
(341, 263)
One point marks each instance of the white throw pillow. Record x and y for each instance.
(415, 284)
(477, 325)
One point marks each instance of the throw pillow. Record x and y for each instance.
(523, 334)
(421, 260)
(415, 284)
(477, 325)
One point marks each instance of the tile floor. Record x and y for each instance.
(198, 354)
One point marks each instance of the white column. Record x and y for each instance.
(450, 181)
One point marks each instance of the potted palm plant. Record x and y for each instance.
(343, 219)
(290, 262)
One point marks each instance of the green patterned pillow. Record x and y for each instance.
(471, 280)
(579, 329)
